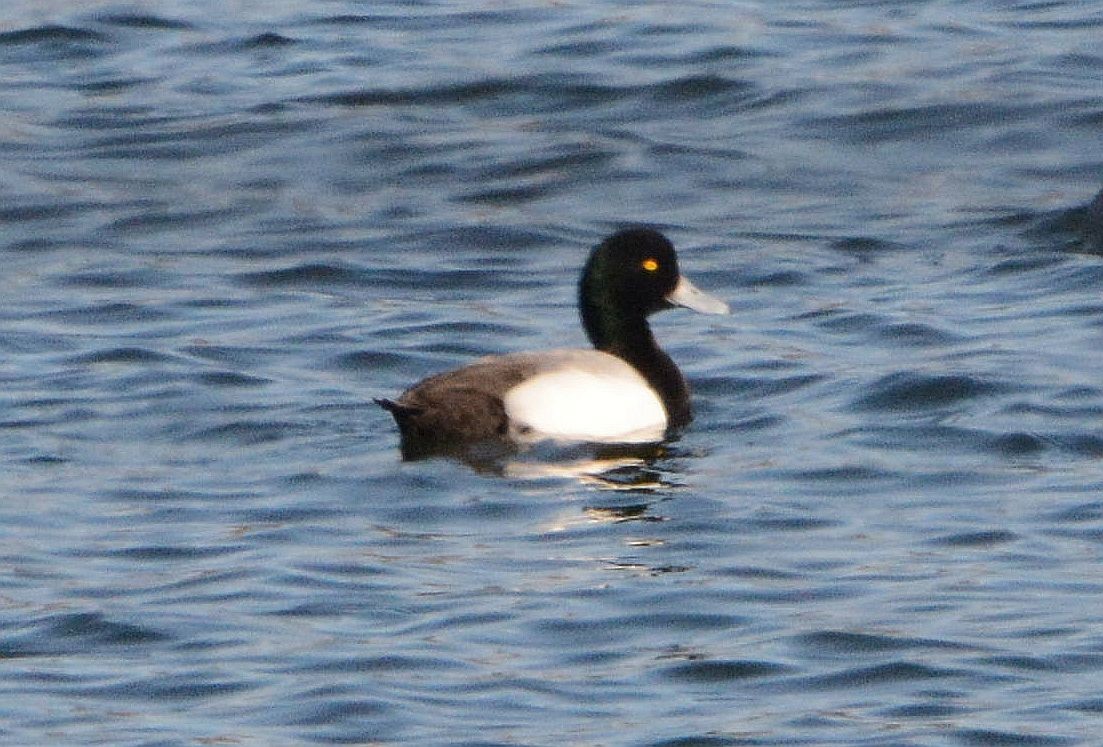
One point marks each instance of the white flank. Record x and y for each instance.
(574, 405)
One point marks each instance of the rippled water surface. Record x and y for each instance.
(225, 227)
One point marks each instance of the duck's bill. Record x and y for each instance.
(689, 295)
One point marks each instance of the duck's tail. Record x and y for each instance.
(397, 409)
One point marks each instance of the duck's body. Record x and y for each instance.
(626, 390)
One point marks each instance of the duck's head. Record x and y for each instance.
(632, 274)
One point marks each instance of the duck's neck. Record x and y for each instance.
(627, 335)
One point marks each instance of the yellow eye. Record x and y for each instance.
(650, 265)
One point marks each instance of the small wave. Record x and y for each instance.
(311, 274)
(51, 33)
(267, 40)
(715, 672)
(909, 391)
(986, 538)
(876, 675)
(1002, 738)
(109, 313)
(230, 379)
(250, 432)
(122, 355)
(144, 21)
(847, 643)
(912, 123)
(73, 632)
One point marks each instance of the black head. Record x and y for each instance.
(631, 273)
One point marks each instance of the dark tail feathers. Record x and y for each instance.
(397, 409)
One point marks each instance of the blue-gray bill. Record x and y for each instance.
(690, 296)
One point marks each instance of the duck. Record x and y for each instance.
(624, 390)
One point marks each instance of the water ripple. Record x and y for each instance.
(224, 233)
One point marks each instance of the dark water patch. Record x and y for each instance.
(839, 642)
(1018, 444)
(109, 314)
(540, 174)
(1064, 663)
(1079, 513)
(60, 633)
(253, 519)
(776, 279)
(749, 424)
(170, 553)
(937, 437)
(918, 335)
(229, 379)
(1078, 228)
(309, 275)
(267, 40)
(693, 87)
(212, 685)
(46, 460)
(322, 275)
(23, 423)
(1019, 265)
(143, 278)
(170, 220)
(124, 355)
(707, 740)
(339, 570)
(1089, 705)
(926, 712)
(576, 49)
(243, 356)
(33, 211)
(986, 538)
(51, 34)
(908, 391)
(261, 42)
(480, 241)
(251, 432)
(382, 664)
(717, 671)
(853, 473)
(1092, 534)
(373, 360)
(926, 123)
(686, 621)
(144, 21)
(841, 321)
(1091, 226)
(890, 673)
(723, 53)
(997, 738)
(548, 93)
(203, 685)
(790, 523)
(139, 495)
(760, 573)
(505, 195)
(753, 387)
(587, 632)
(94, 627)
(865, 245)
(42, 244)
(333, 710)
(1052, 410)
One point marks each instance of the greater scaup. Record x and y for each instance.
(626, 390)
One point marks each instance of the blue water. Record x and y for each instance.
(225, 227)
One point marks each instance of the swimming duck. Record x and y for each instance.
(625, 390)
